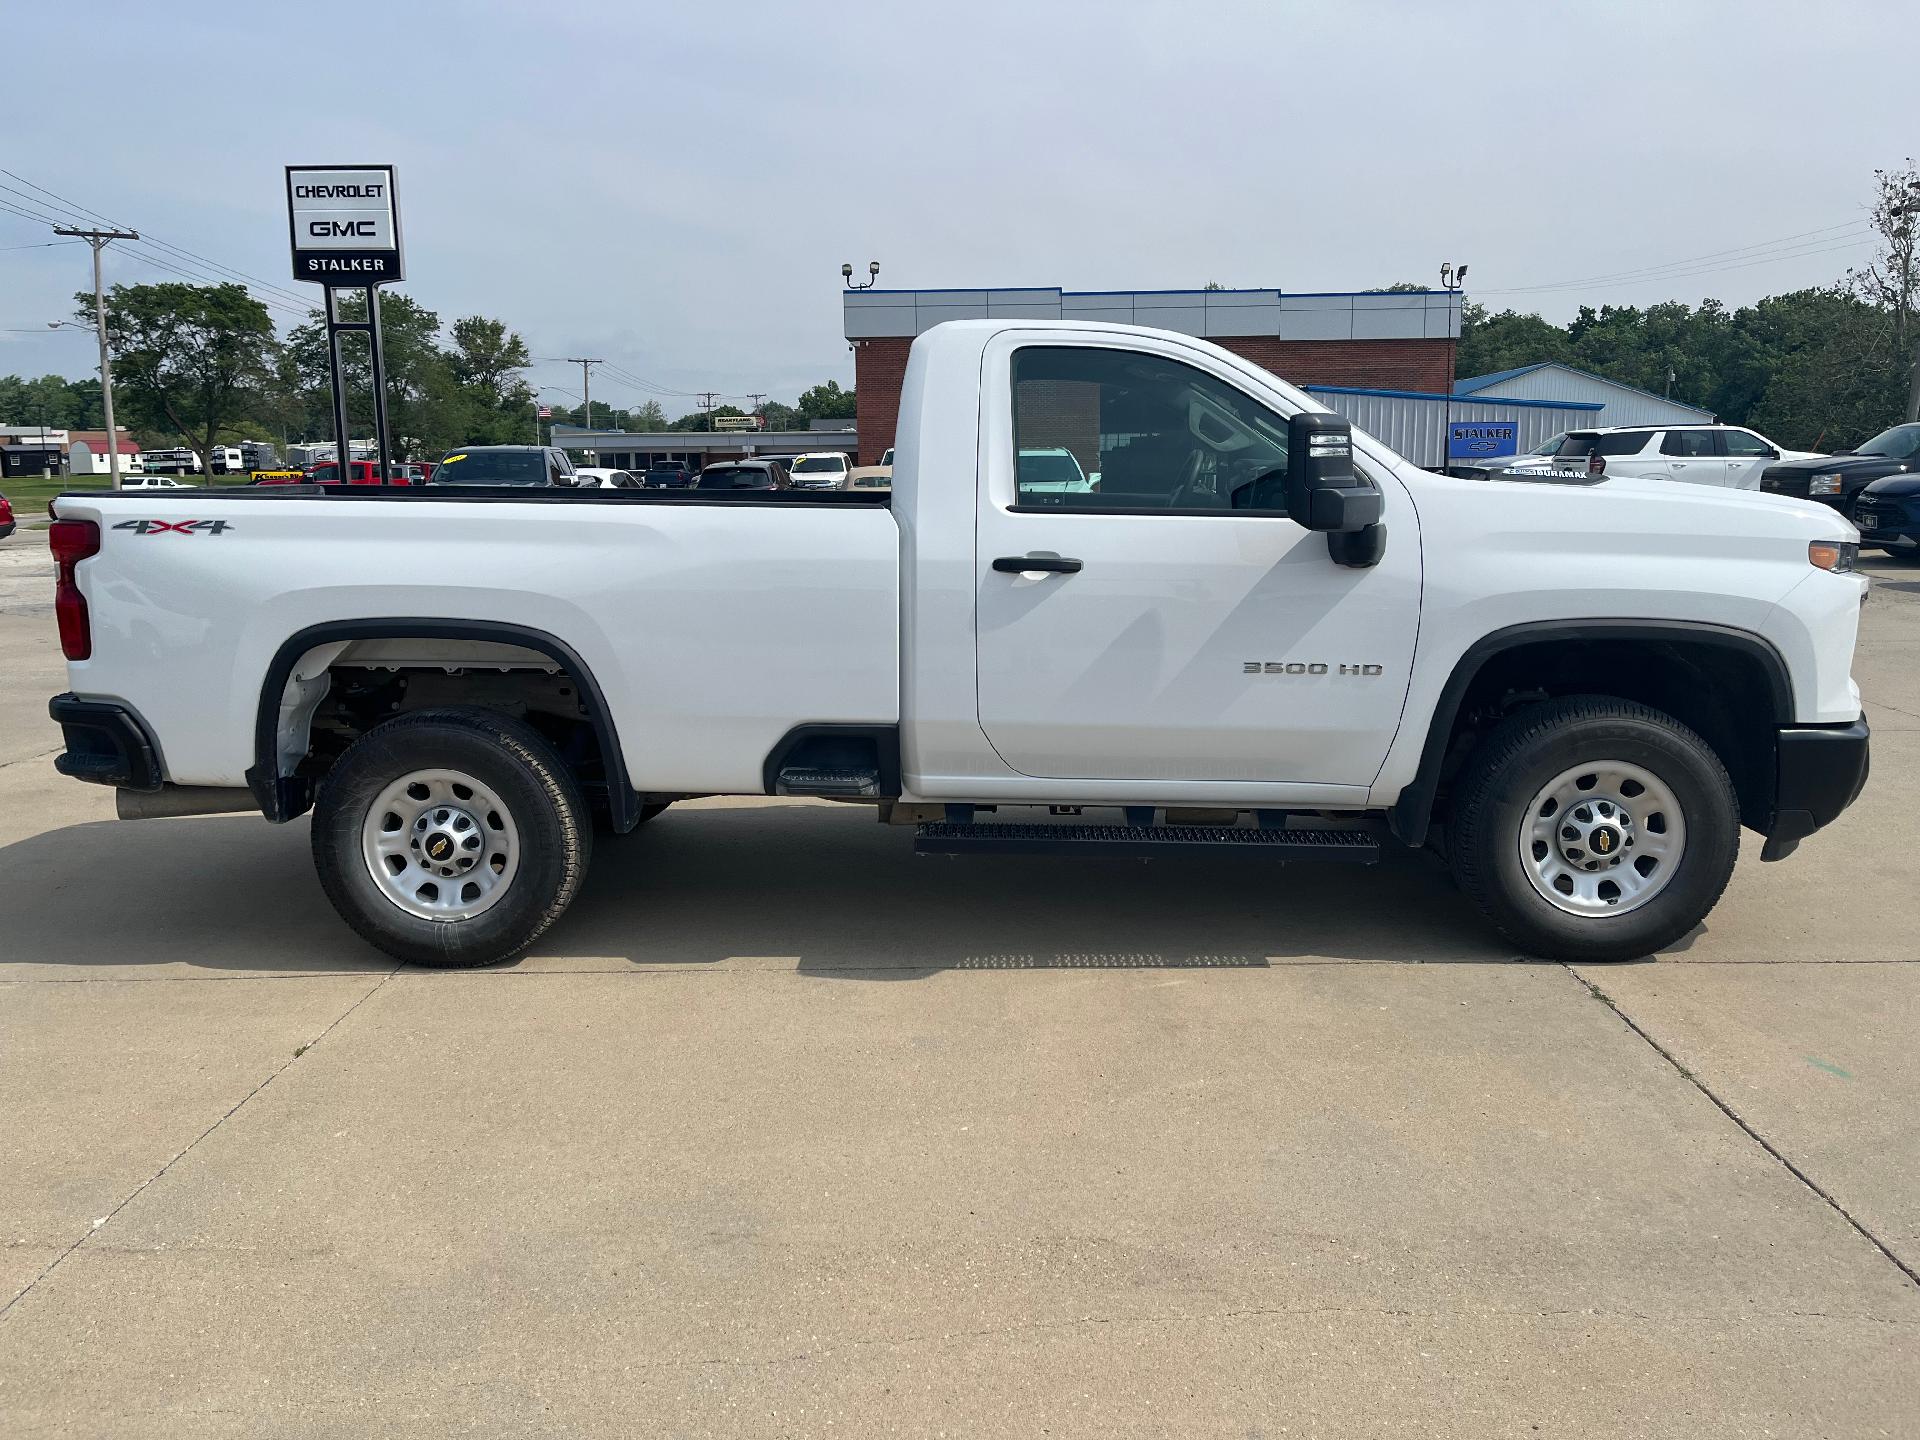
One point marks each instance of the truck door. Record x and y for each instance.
(1168, 621)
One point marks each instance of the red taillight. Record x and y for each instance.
(1596, 463)
(71, 542)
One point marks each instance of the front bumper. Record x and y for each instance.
(1889, 521)
(105, 744)
(1819, 771)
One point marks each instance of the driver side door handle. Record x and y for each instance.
(1019, 564)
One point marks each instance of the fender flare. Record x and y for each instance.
(285, 797)
(1412, 813)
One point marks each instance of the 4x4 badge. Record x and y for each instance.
(176, 527)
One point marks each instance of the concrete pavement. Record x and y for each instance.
(784, 1131)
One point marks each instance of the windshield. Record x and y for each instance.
(1549, 446)
(1902, 442)
(820, 465)
(492, 467)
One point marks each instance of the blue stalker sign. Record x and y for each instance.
(1472, 440)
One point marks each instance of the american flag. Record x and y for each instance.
(546, 412)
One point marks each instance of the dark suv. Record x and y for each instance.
(674, 476)
(529, 465)
(744, 475)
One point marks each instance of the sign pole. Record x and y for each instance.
(334, 327)
(344, 225)
(379, 383)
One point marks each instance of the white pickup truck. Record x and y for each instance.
(1256, 630)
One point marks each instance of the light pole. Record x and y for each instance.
(873, 274)
(1452, 281)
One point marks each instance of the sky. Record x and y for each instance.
(675, 187)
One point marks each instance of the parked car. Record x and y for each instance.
(6, 518)
(1052, 471)
(870, 477)
(327, 472)
(1260, 611)
(1887, 513)
(1536, 457)
(505, 465)
(821, 470)
(1729, 456)
(1837, 480)
(671, 475)
(151, 482)
(744, 475)
(592, 477)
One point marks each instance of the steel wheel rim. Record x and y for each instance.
(1602, 838)
(440, 845)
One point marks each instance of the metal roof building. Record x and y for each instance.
(1411, 421)
(1550, 380)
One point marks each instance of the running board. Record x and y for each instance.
(945, 838)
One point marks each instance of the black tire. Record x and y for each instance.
(1523, 755)
(521, 768)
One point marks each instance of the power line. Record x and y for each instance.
(1787, 249)
(43, 245)
(153, 239)
(1705, 270)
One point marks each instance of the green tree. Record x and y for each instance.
(426, 412)
(827, 402)
(188, 359)
(647, 417)
(485, 357)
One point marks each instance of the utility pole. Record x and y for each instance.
(708, 399)
(99, 240)
(586, 384)
(756, 396)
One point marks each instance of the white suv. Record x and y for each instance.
(822, 470)
(1725, 455)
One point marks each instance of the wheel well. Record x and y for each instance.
(1726, 693)
(329, 685)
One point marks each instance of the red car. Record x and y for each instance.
(359, 472)
(6, 518)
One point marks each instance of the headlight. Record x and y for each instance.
(1835, 555)
(1824, 485)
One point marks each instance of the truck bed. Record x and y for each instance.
(711, 621)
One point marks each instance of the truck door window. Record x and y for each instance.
(1118, 430)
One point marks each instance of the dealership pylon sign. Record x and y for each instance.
(345, 226)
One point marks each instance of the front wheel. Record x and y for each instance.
(450, 837)
(1594, 829)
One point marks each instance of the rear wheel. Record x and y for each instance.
(450, 837)
(1594, 829)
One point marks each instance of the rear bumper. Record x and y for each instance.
(105, 744)
(1820, 772)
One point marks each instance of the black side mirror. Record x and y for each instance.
(1323, 491)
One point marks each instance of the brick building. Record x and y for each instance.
(1400, 341)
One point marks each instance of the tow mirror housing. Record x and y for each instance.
(1323, 490)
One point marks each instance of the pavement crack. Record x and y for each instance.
(138, 1190)
(49, 754)
(1913, 1277)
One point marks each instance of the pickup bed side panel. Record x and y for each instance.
(711, 630)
